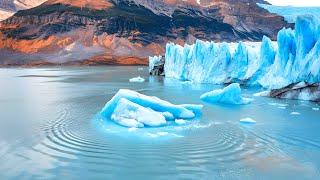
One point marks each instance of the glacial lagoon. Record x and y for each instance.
(50, 127)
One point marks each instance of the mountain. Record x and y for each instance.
(9, 7)
(126, 31)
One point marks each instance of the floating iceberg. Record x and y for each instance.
(137, 79)
(228, 95)
(294, 58)
(132, 109)
(247, 121)
(295, 113)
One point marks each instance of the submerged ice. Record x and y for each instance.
(228, 95)
(294, 58)
(132, 109)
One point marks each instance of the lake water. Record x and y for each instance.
(50, 128)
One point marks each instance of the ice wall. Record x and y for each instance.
(294, 58)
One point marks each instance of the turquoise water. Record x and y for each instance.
(49, 128)
(290, 13)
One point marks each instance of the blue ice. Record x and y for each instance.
(132, 109)
(228, 95)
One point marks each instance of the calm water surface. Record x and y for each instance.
(49, 128)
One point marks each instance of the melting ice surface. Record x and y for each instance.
(228, 95)
(293, 59)
(132, 109)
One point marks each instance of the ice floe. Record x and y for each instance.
(228, 95)
(137, 79)
(295, 113)
(248, 120)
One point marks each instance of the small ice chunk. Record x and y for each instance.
(278, 104)
(282, 107)
(247, 120)
(137, 79)
(228, 95)
(162, 133)
(295, 113)
(180, 121)
(315, 109)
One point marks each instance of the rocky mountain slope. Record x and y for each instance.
(126, 31)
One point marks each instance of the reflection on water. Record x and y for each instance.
(49, 128)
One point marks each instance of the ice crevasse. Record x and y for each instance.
(295, 57)
(132, 109)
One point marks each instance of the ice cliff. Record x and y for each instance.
(132, 109)
(294, 58)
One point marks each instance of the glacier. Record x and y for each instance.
(293, 58)
(228, 95)
(134, 110)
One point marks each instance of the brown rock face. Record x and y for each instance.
(96, 4)
(62, 31)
